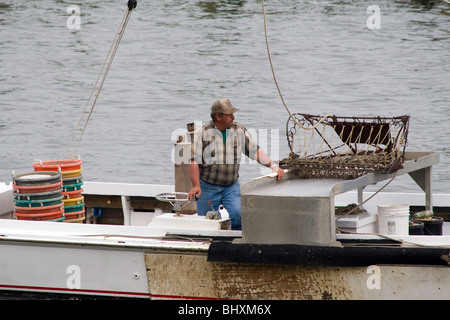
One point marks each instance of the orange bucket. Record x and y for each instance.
(75, 215)
(55, 165)
(38, 210)
(40, 216)
(72, 194)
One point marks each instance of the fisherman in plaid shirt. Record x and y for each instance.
(215, 158)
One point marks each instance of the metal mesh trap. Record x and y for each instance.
(344, 147)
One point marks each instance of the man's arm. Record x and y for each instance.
(194, 173)
(264, 160)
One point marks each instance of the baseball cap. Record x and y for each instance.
(223, 106)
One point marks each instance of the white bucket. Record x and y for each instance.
(393, 219)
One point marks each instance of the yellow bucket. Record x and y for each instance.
(74, 201)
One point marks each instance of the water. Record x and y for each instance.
(177, 57)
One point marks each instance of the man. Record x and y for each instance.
(215, 159)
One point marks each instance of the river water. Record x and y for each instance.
(177, 57)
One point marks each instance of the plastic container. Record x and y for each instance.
(416, 228)
(393, 219)
(72, 187)
(38, 195)
(73, 201)
(72, 194)
(40, 216)
(38, 203)
(71, 174)
(75, 215)
(37, 189)
(432, 225)
(73, 208)
(34, 179)
(46, 209)
(56, 165)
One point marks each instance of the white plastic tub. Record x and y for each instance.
(393, 219)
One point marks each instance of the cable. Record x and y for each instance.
(104, 71)
(314, 126)
(373, 195)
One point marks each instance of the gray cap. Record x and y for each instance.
(223, 106)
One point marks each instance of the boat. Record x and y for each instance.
(145, 241)
(136, 242)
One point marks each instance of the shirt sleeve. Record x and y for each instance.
(251, 147)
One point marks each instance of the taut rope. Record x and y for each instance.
(103, 73)
(275, 78)
(318, 122)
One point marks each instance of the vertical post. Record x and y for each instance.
(423, 179)
(126, 209)
(428, 189)
(182, 178)
(360, 195)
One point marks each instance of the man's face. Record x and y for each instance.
(225, 121)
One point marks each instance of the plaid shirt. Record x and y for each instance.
(218, 159)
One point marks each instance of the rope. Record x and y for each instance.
(382, 235)
(314, 125)
(165, 238)
(275, 78)
(98, 86)
(362, 203)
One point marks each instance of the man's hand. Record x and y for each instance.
(264, 159)
(279, 172)
(194, 193)
(194, 173)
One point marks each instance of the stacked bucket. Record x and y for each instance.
(38, 196)
(72, 182)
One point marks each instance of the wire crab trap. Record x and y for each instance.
(344, 147)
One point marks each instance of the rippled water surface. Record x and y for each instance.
(177, 57)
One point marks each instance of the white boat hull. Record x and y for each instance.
(73, 270)
(81, 259)
(152, 262)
